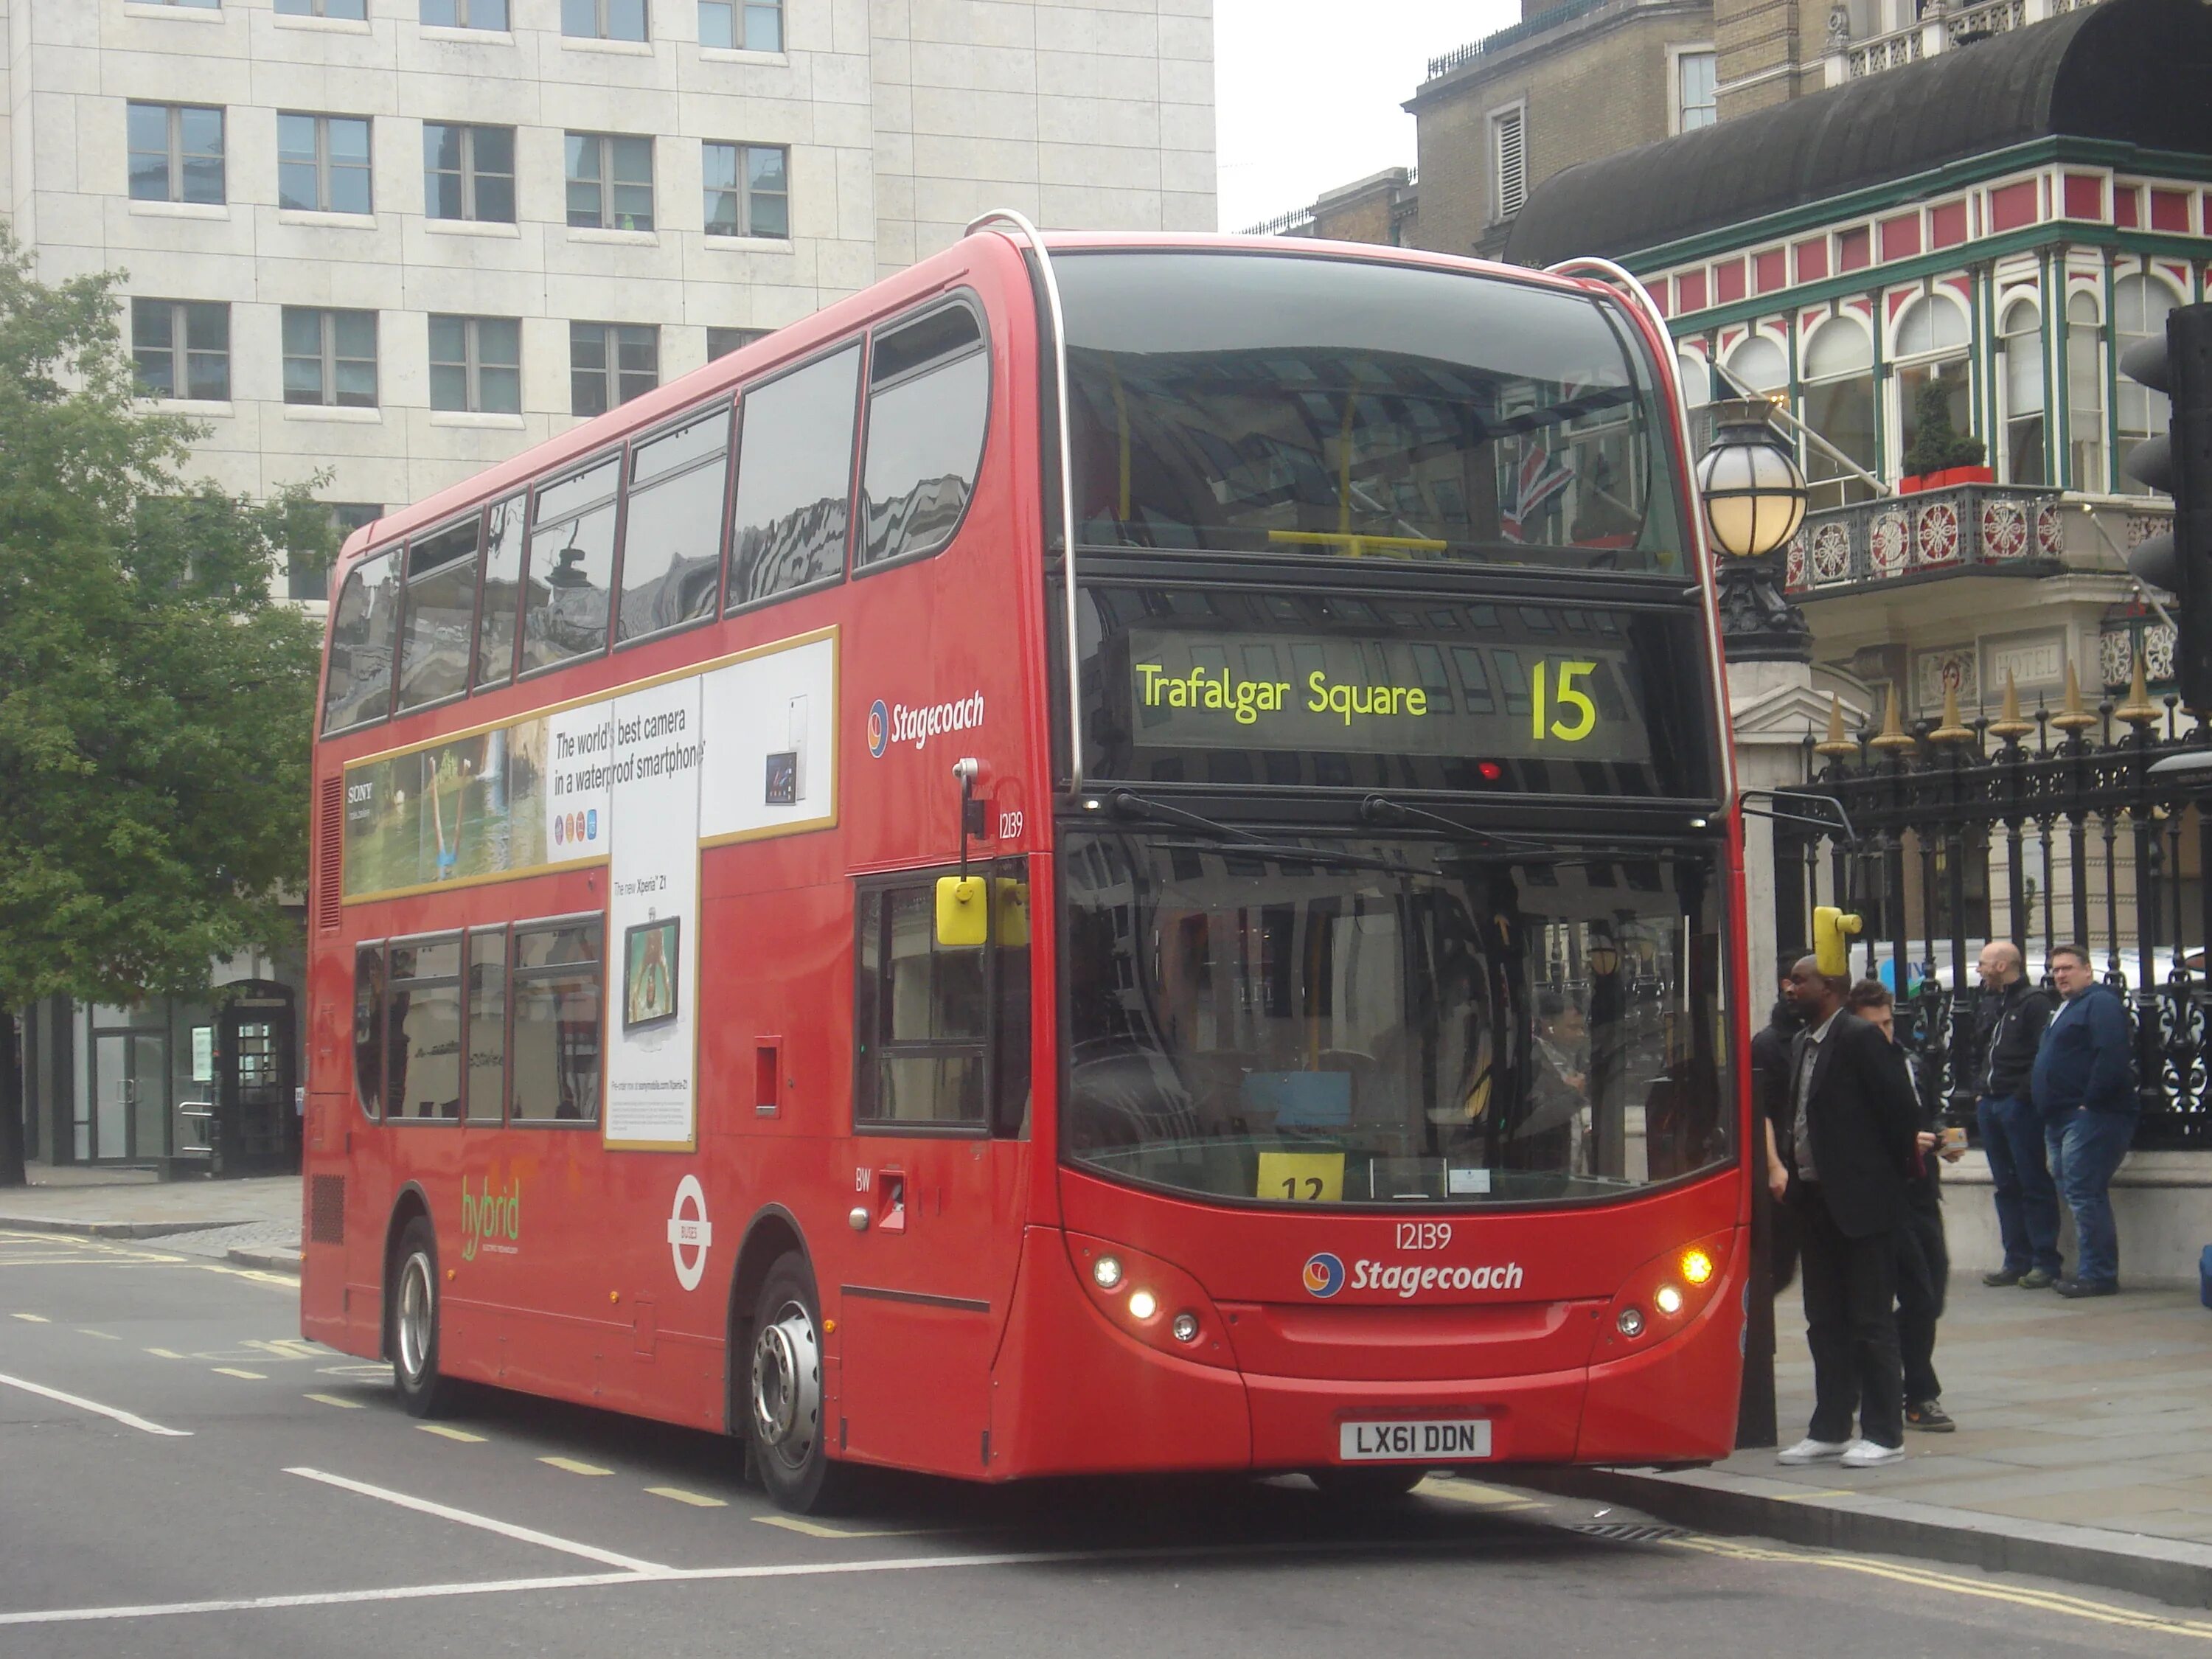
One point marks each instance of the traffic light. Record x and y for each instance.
(2180, 463)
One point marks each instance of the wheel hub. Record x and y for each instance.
(416, 1317)
(787, 1385)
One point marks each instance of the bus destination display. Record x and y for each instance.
(1284, 691)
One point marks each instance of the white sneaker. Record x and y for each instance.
(1813, 1451)
(1865, 1455)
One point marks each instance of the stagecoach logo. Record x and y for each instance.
(688, 1235)
(897, 723)
(490, 1221)
(1324, 1273)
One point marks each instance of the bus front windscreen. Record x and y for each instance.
(1260, 403)
(1382, 1021)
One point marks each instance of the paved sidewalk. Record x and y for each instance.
(2084, 1448)
(257, 1216)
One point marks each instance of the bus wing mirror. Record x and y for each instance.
(962, 912)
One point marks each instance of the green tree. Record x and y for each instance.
(156, 699)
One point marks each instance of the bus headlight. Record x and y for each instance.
(1668, 1299)
(1143, 1304)
(1106, 1273)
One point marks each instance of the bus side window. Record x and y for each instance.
(364, 629)
(572, 566)
(368, 1028)
(502, 586)
(422, 1046)
(794, 479)
(672, 537)
(929, 395)
(486, 1099)
(554, 1053)
(921, 1030)
(442, 602)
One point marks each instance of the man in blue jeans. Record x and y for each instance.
(2010, 1023)
(2084, 1084)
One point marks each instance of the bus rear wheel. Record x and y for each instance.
(784, 1414)
(412, 1339)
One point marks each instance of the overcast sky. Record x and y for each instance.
(1307, 91)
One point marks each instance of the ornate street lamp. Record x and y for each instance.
(1753, 496)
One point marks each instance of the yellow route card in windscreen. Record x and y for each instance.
(1308, 1177)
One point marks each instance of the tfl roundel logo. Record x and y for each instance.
(880, 728)
(1324, 1274)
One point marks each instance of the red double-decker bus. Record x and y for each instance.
(1114, 855)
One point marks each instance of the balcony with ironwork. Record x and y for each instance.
(1940, 26)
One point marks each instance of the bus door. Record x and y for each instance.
(941, 1117)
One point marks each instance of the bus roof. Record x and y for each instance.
(841, 318)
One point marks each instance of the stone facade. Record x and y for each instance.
(1591, 79)
(902, 120)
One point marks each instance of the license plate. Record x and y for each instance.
(1402, 1442)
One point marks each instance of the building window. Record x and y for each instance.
(1759, 365)
(351, 10)
(310, 579)
(2022, 342)
(1508, 151)
(611, 363)
(2085, 395)
(603, 20)
(2139, 309)
(750, 25)
(721, 342)
(475, 364)
(1839, 375)
(322, 163)
(176, 153)
(1932, 337)
(194, 5)
(1695, 78)
(468, 173)
(183, 349)
(329, 357)
(464, 14)
(748, 190)
(610, 182)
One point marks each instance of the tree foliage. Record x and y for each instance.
(156, 699)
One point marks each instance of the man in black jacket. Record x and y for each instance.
(2007, 1027)
(1771, 1049)
(1853, 1123)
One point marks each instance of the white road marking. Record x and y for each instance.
(505, 1529)
(35, 1319)
(663, 1575)
(336, 1400)
(232, 1371)
(816, 1529)
(448, 1433)
(127, 1419)
(105, 1336)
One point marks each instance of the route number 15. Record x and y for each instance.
(1565, 694)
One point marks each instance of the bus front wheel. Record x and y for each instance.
(413, 1340)
(784, 1409)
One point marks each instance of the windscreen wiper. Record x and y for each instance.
(1382, 810)
(1128, 804)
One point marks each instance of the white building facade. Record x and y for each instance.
(396, 240)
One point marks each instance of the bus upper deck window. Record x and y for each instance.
(673, 546)
(364, 630)
(794, 479)
(442, 602)
(572, 562)
(502, 587)
(929, 393)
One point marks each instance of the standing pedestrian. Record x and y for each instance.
(1771, 1049)
(2009, 1028)
(1853, 1123)
(2084, 1084)
(1924, 1257)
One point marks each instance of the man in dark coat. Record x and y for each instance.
(1771, 1049)
(1854, 1119)
(2008, 1029)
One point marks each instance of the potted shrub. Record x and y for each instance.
(1933, 444)
(1966, 458)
